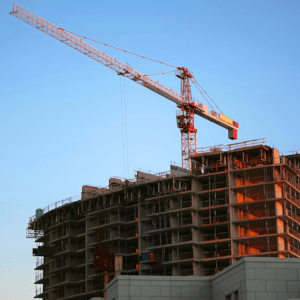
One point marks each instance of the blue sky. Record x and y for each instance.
(61, 117)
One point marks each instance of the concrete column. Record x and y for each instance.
(175, 270)
(277, 191)
(118, 265)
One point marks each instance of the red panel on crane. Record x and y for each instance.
(232, 134)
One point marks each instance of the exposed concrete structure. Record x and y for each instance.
(238, 200)
(251, 278)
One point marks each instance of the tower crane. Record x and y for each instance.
(188, 106)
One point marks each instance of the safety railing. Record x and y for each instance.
(216, 254)
(256, 214)
(72, 247)
(215, 202)
(294, 232)
(183, 188)
(167, 257)
(293, 215)
(180, 205)
(246, 144)
(255, 162)
(212, 186)
(184, 238)
(158, 226)
(185, 204)
(131, 266)
(62, 248)
(36, 234)
(117, 234)
(215, 219)
(107, 220)
(117, 218)
(59, 294)
(81, 230)
(131, 217)
(292, 198)
(229, 147)
(211, 149)
(80, 246)
(75, 277)
(185, 221)
(295, 250)
(185, 255)
(72, 261)
(93, 223)
(252, 248)
(119, 183)
(186, 272)
(39, 291)
(131, 233)
(245, 232)
(213, 271)
(292, 182)
(241, 181)
(101, 221)
(39, 261)
(256, 197)
(81, 276)
(216, 236)
(160, 242)
(60, 279)
(285, 160)
(38, 276)
(56, 205)
(91, 286)
(133, 249)
(158, 209)
(81, 261)
(62, 234)
(170, 272)
(57, 265)
(120, 249)
(150, 227)
(74, 291)
(106, 235)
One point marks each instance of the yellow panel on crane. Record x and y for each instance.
(226, 119)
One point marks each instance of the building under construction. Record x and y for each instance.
(237, 200)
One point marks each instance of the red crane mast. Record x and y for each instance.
(188, 106)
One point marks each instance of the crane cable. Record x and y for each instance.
(203, 95)
(196, 83)
(126, 141)
(118, 48)
(124, 127)
(161, 73)
(121, 90)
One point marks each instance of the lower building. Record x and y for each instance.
(251, 278)
(238, 200)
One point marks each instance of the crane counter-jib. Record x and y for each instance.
(215, 119)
